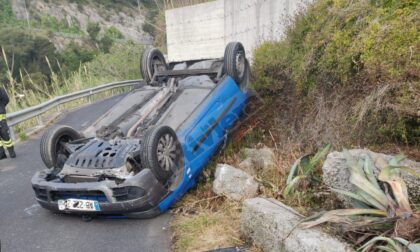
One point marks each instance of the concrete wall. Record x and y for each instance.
(203, 30)
(195, 32)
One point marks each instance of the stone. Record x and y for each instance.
(234, 183)
(337, 175)
(248, 166)
(256, 159)
(273, 226)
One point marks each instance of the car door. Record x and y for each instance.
(205, 130)
(215, 117)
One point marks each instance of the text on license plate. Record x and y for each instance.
(78, 204)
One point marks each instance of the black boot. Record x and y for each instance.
(12, 153)
(2, 153)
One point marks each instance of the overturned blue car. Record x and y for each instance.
(147, 151)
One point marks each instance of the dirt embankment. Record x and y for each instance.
(346, 74)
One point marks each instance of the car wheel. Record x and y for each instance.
(236, 64)
(53, 151)
(162, 152)
(151, 62)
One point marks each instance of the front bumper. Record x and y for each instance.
(113, 198)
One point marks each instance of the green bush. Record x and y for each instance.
(113, 33)
(93, 30)
(269, 65)
(25, 52)
(74, 55)
(121, 63)
(105, 44)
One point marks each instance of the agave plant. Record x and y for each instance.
(303, 168)
(380, 204)
(396, 244)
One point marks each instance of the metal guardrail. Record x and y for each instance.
(18, 117)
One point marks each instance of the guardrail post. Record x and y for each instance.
(58, 108)
(12, 134)
(90, 97)
(39, 119)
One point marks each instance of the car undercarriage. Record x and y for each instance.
(140, 151)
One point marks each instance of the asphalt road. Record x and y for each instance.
(25, 226)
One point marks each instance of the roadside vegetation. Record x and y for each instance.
(355, 62)
(206, 224)
(346, 74)
(30, 88)
(120, 63)
(32, 69)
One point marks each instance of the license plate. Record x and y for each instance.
(79, 205)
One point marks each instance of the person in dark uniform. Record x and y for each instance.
(5, 140)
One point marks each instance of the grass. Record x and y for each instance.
(203, 220)
(23, 136)
(207, 228)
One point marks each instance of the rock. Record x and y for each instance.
(234, 183)
(256, 159)
(273, 227)
(337, 175)
(248, 166)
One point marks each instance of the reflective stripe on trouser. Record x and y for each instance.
(5, 140)
(2, 117)
(6, 144)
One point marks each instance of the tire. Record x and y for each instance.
(244, 85)
(235, 62)
(152, 61)
(154, 159)
(51, 144)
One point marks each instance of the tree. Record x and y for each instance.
(74, 55)
(26, 52)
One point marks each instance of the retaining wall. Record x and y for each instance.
(203, 30)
